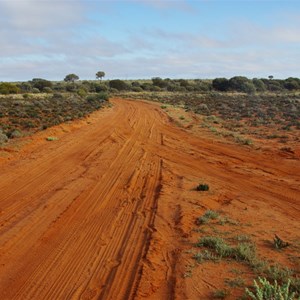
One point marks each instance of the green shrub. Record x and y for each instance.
(14, 134)
(51, 138)
(245, 252)
(3, 138)
(35, 90)
(206, 255)
(208, 215)
(8, 88)
(202, 187)
(264, 290)
(47, 90)
(217, 244)
(82, 92)
(102, 96)
(220, 294)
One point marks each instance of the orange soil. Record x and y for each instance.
(107, 211)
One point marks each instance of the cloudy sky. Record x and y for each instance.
(147, 38)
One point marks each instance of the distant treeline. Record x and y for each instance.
(235, 84)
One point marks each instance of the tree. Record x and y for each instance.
(71, 78)
(221, 84)
(100, 75)
(40, 83)
(259, 84)
(270, 77)
(8, 88)
(241, 84)
(157, 81)
(292, 83)
(118, 84)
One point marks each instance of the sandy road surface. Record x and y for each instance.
(100, 213)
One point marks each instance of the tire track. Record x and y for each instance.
(78, 217)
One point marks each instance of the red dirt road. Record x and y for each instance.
(106, 211)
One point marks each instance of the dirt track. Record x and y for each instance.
(105, 211)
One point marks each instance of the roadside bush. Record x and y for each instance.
(47, 90)
(29, 114)
(14, 134)
(8, 88)
(118, 84)
(98, 97)
(3, 138)
(40, 83)
(221, 84)
(264, 290)
(82, 92)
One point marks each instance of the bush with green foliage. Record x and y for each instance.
(71, 78)
(8, 88)
(3, 138)
(40, 83)
(221, 84)
(118, 84)
(264, 290)
(208, 215)
(202, 187)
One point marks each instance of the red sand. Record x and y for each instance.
(107, 210)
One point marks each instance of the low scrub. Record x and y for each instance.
(265, 290)
(202, 187)
(20, 116)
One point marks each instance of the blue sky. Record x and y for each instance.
(148, 38)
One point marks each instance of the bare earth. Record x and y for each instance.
(107, 211)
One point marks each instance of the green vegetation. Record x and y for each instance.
(221, 294)
(279, 243)
(202, 187)
(100, 75)
(264, 290)
(51, 138)
(20, 116)
(216, 246)
(71, 78)
(208, 215)
(230, 108)
(8, 88)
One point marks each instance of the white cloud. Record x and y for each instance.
(52, 38)
(32, 16)
(167, 4)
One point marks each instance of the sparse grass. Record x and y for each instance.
(206, 255)
(243, 238)
(239, 113)
(208, 215)
(245, 252)
(221, 294)
(217, 244)
(236, 282)
(189, 271)
(227, 220)
(243, 141)
(51, 138)
(239, 248)
(21, 116)
(279, 243)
